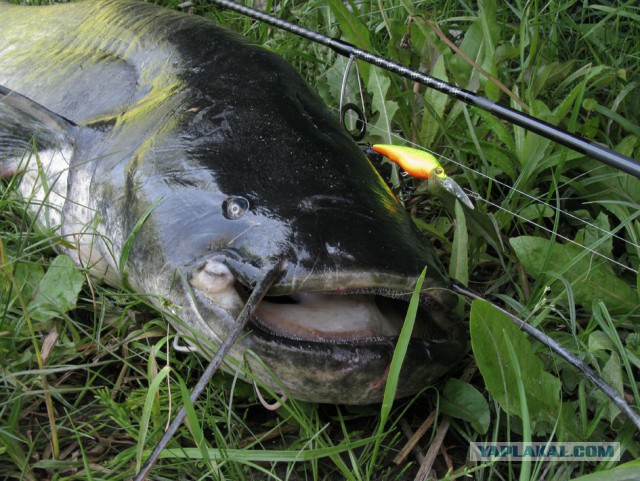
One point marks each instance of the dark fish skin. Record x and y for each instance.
(168, 113)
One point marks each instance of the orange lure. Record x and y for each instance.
(423, 165)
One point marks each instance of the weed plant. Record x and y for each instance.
(88, 382)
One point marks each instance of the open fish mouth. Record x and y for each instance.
(337, 347)
(343, 317)
(330, 336)
(326, 309)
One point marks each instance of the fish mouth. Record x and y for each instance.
(346, 307)
(337, 347)
(330, 338)
(360, 316)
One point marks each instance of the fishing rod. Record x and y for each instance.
(544, 129)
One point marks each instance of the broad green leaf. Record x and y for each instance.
(27, 277)
(435, 104)
(571, 102)
(58, 290)
(612, 374)
(627, 145)
(613, 116)
(534, 149)
(437, 229)
(491, 34)
(497, 127)
(478, 222)
(570, 431)
(611, 182)
(491, 90)
(378, 86)
(599, 341)
(470, 45)
(490, 330)
(590, 276)
(490, 29)
(536, 211)
(333, 81)
(463, 401)
(597, 235)
(352, 27)
(547, 75)
(354, 31)
(626, 472)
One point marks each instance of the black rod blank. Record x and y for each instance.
(544, 129)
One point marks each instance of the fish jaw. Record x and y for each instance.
(351, 366)
(348, 373)
(329, 346)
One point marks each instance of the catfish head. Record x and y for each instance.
(266, 174)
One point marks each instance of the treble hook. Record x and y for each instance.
(361, 121)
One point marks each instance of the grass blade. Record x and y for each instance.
(154, 387)
(396, 365)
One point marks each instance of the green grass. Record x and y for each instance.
(91, 398)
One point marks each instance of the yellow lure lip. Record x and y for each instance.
(417, 163)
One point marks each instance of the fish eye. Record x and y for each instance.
(234, 207)
(439, 171)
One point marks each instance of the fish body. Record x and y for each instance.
(180, 159)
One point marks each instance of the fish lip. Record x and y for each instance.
(259, 330)
(347, 281)
(354, 371)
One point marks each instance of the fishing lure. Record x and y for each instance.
(421, 164)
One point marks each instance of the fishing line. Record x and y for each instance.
(478, 197)
(270, 276)
(539, 200)
(551, 231)
(544, 129)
